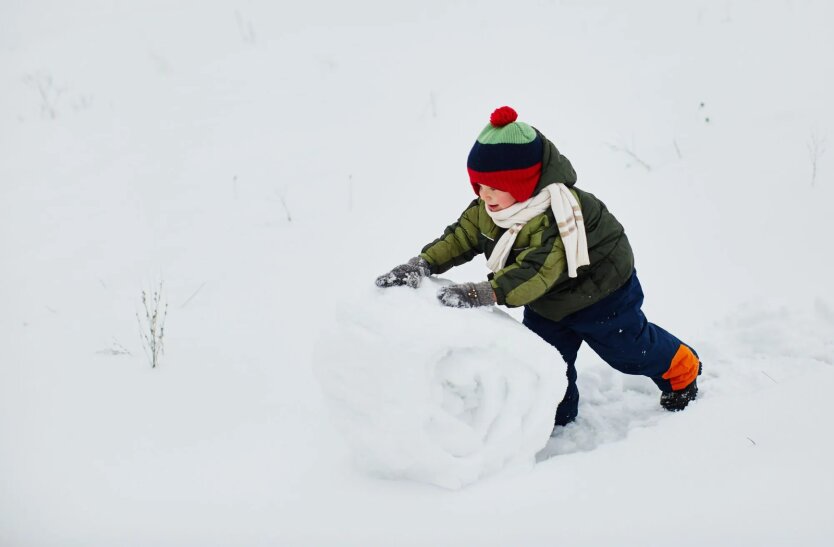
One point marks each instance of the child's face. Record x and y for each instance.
(495, 200)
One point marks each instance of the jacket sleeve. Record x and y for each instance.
(457, 245)
(536, 270)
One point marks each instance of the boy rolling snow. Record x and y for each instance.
(557, 251)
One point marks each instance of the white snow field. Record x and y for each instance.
(266, 161)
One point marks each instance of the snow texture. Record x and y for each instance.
(265, 158)
(436, 394)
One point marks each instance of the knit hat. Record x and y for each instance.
(507, 156)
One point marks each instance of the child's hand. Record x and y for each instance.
(410, 274)
(467, 295)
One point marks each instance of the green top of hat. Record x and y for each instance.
(514, 133)
(503, 128)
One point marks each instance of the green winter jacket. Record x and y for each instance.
(536, 272)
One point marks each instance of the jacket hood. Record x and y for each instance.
(555, 167)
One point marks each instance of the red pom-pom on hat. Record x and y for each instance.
(503, 116)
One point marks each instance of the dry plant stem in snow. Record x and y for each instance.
(286, 209)
(816, 147)
(48, 92)
(152, 325)
(628, 151)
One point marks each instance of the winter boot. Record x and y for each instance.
(674, 401)
(677, 400)
(569, 407)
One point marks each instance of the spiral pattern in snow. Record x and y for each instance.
(435, 394)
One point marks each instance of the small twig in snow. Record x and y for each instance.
(190, 298)
(631, 153)
(769, 376)
(247, 33)
(286, 209)
(816, 148)
(48, 92)
(350, 192)
(152, 330)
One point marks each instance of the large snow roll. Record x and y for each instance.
(437, 394)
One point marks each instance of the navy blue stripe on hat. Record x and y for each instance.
(503, 157)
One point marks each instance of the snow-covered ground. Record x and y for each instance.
(267, 161)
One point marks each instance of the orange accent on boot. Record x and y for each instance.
(683, 370)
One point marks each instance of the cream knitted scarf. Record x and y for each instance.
(568, 217)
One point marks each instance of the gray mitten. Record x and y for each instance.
(467, 295)
(410, 274)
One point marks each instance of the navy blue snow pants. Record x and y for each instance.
(618, 331)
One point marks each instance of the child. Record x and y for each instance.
(557, 251)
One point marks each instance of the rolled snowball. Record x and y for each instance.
(436, 394)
